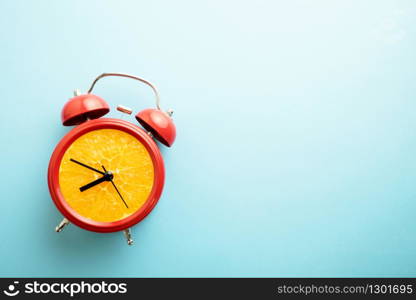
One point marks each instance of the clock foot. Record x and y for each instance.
(127, 234)
(61, 225)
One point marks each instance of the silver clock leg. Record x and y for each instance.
(127, 234)
(61, 225)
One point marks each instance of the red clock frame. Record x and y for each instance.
(106, 123)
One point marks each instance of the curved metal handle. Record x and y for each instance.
(128, 76)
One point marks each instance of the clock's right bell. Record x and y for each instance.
(159, 123)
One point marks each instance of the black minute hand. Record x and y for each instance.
(88, 167)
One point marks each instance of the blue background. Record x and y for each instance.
(295, 153)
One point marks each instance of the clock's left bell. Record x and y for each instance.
(83, 107)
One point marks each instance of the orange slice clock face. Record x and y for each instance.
(106, 175)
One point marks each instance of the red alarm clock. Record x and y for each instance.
(107, 174)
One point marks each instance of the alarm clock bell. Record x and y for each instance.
(89, 106)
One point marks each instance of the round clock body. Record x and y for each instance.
(106, 175)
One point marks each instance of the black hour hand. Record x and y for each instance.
(108, 176)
